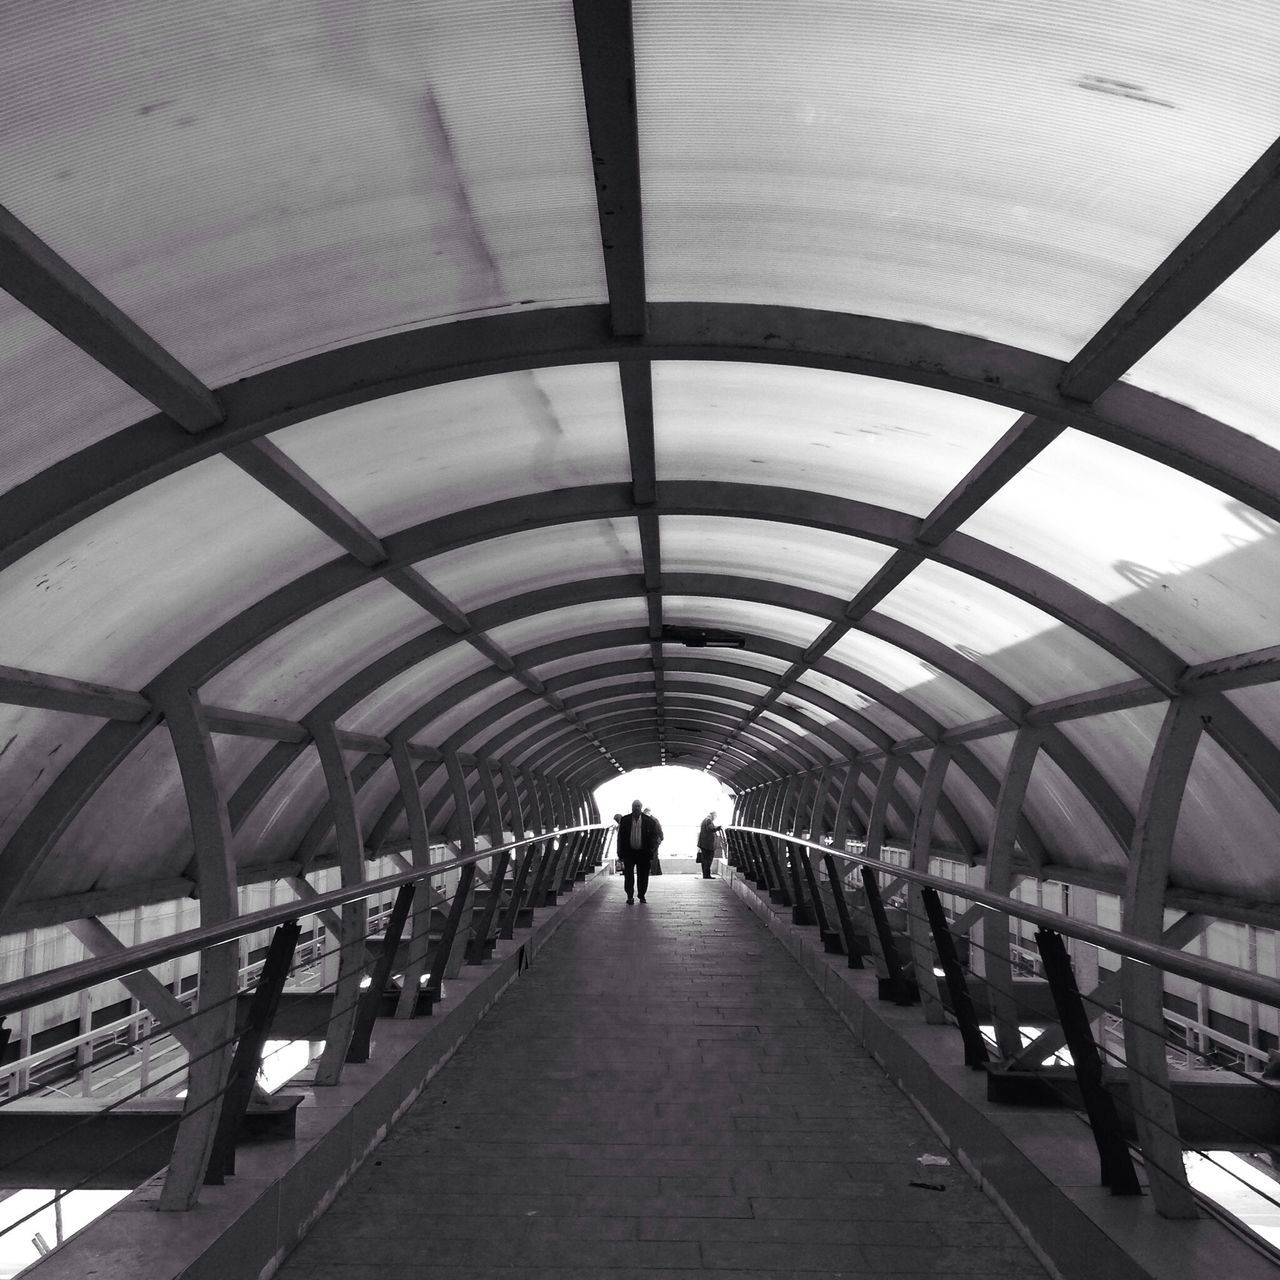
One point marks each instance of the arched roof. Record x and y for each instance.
(439, 370)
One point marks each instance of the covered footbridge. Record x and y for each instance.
(417, 413)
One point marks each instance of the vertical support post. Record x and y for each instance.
(478, 947)
(897, 986)
(248, 1054)
(834, 866)
(779, 891)
(921, 847)
(1113, 1152)
(802, 910)
(542, 893)
(462, 909)
(1143, 985)
(993, 930)
(880, 805)
(420, 851)
(213, 1030)
(355, 915)
(975, 1048)
(525, 860)
(370, 1000)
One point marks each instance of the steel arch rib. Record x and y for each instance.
(1229, 460)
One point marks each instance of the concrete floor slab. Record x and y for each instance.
(667, 1094)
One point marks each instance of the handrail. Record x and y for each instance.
(71, 978)
(1240, 982)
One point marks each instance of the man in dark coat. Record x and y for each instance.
(637, 842)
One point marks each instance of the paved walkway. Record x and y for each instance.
(664, 1092)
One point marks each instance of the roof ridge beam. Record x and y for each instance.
(606, 53)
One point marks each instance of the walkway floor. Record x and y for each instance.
(664, 1092)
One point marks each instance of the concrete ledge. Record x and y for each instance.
(246, 1227)
(1039, 1165)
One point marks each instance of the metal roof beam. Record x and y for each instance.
(51, 287)
(1220, 243)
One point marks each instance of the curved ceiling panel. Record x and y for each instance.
(868, 439)
(847, 338)
(118, 596)
(286, 674)
(57, 399)
(391, 702)
(407, 160)
(1221, 358)
(841, 182)
(479, 574)
(945, 699)
(1035, 655)
(810, 558)
(1182, 560)
(417, 456)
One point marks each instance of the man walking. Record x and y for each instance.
(637, 843)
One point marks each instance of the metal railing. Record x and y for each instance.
(1036, 1040)
(400, 971)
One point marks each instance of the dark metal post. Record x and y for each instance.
(248, 1055)
(478, 945)
(851, 948)
(434, 988)
(900, 989)
(371, 998)
(1113, 1151)
(975, 1047)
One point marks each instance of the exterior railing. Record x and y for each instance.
(400, 972)
(1035, 1037)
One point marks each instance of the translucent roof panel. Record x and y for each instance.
(1227, 841)
(1180, 559)
(37, 746)
(769, 621)
(868, 439)
(288, 673)
(1120, 744)
(811, 162)
(479, 574)
(675, 654)
(273, 831)
(1069, 825)
(1033, 653)
(575, 662)
(412, 457)
(808, 744)
(1221, 358)
(945, 699)
(893, 724)
(100, 848)
(450, 722)
(576, 620)
(57, 400)
(255, 188)
(118, 596)
(753, 687)
(383, 709)
(814, 559)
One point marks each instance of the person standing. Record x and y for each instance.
(637, 843)
(707, 843)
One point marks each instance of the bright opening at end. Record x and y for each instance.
(680, 798)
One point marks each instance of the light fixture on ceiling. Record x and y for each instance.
(703, 638)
